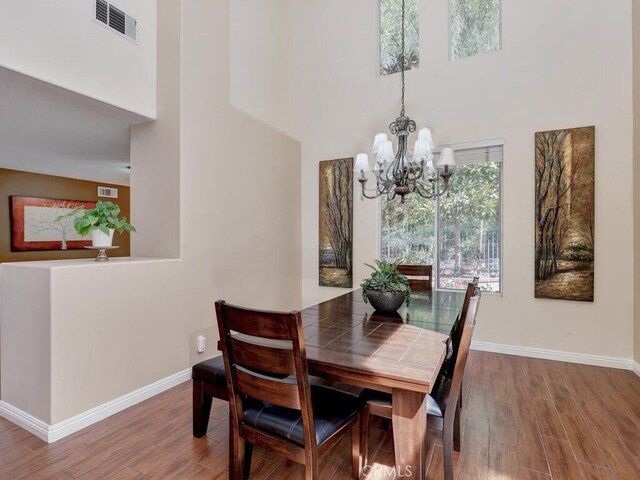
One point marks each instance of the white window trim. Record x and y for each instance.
(458, 146)
(497, 142)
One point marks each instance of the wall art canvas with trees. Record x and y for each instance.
(564, 251)
(336, 223)
(46, 223)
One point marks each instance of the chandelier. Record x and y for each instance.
(402, 173)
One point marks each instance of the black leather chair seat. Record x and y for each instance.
(332, 409)
(211, 371)
(436, 402)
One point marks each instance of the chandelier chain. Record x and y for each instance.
(402, 57)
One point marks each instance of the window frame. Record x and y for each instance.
(450, 35)
(498, 142)
(379, 50)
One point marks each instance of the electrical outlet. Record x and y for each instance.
(201, 343)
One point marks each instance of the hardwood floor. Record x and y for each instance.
(525, 419)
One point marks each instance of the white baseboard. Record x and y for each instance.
(636, 368)
(30, 423)
(53, 433)
(584, 358)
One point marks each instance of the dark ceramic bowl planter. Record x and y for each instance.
(385, 302)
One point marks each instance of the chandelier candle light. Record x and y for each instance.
(402, 173)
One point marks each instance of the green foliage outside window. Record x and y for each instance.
(466, 222)
(408, 231)
(475, 27)
(390, 36)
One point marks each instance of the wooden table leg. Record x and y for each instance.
(409, 433)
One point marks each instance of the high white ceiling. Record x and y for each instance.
(46, 129)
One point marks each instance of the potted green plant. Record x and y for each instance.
(101, 222)
(386, 288)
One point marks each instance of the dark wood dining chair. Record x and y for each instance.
(420, 271)
(444, 404)
(209, 382)
(288, 416)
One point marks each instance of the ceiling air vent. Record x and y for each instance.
(107, 192)
(116, 19)
(102, 9)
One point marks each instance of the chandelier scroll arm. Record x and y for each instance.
(365, 191)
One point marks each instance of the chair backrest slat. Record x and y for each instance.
(418, 284)
(415, 270)
(254, 356)
(258, 347)
(272, 325)
(283, 393)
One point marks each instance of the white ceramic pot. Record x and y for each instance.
(100, 239)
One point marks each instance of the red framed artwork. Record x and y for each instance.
(46, 223)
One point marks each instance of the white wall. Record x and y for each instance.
(155, 150)
(240, 213)
(59, 43)
(121, 326)
(564, 63)
(104, 346)
(256, 61)
(24, 342)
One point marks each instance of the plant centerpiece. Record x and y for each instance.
(386, 288)
(101, 222)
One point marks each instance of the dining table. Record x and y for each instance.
(400, 353)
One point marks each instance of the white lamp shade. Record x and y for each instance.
(385, 152)
(421, 149)
(362, 163)
(380, 137)
(425, 134)
(447, 158)
(429, 167)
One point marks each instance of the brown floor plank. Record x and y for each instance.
(529, 447)
(627, 429)
(622, 463)
(379, 464)
(510, 368)
(66, 476)
(502, 424)
(535, 382)
(503, 462)
(524, 419)
(474, 452)
(584, 445)
(548, 419)
(562, 398)
(526, 474)
(436, 465)
(593, 472)
(562, 462)
(477, 408)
